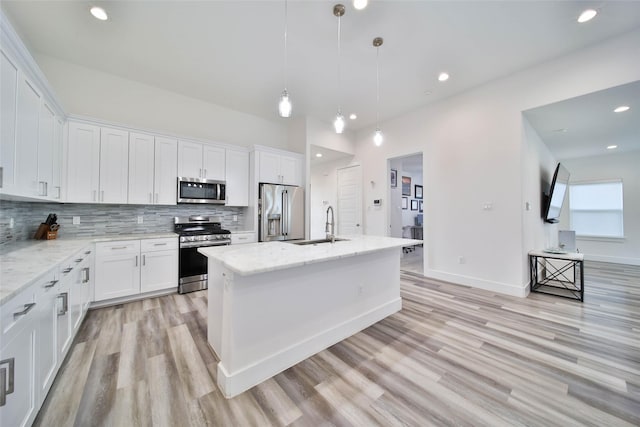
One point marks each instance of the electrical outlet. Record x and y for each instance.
(12, 223)
(140, 219)
(235, 218)
(75, 220)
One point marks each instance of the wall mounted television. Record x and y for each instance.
(552, 202)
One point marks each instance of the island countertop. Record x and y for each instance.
(262, 257)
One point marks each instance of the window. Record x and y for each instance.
(595, 209)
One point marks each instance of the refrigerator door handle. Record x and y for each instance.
(283, 220)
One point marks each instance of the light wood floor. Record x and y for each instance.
(452, 356)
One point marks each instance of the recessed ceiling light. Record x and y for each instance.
(622, 109)
(587, 15)
(443, 77)
(611, 147)
(318, 154)
(353, 116)
(360, 4)
(99, 13)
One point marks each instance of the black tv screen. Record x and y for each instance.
(555, 198)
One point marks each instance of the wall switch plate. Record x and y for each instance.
(235, 218)
(140, 219)
(12, 223)
(377, 202)
(75, 220)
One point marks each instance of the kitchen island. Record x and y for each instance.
(274, 304)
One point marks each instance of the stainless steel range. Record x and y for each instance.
(196, 232)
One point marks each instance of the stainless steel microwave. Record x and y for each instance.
(196, 190)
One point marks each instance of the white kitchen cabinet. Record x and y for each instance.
(27, 119)
(46, 137)
(159, 264)
(18, 396)
(56, 178)
(279, 168)
(9, 83)
(196, 160)
(64, 328)
(46, 316)
(152, 169)
(165, 171)
(83, 163)
(117, 269)
(114, 165)
(237, 178)
(76, 272)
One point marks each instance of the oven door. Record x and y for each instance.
(191, 190)
(192, 268)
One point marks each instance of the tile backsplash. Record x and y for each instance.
(102, 219)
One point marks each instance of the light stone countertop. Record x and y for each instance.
(254, 258)
(29, 260)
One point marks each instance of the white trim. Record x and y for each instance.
(610, 239)
(131, 298)
(474, 282)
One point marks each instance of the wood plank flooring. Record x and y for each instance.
(452, 356)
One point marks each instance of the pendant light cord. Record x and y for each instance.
(339, 67)
(377, 87)
(286, 20)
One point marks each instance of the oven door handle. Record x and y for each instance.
(186, 245)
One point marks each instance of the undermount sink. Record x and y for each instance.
(316, 242)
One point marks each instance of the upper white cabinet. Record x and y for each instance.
(83, 163)
(152, 169)
(279, 168)
(56, 179)
(114, 165)
(237, 178)
(46, 137)
(9, 82)
(196, 160)
(27, 119)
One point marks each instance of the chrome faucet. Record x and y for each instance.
(330, 225)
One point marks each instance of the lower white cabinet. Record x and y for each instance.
(243, 237)
(46, 316)
(132, 267)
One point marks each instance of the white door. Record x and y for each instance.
(159, 270)
(166, 171)
(141, 161)
(213, 166)
(46, 136)
(28, 115)
(83, 163)
(189, 160)
(237, 178)
(9, 84)
(349, 213)
(114, 165)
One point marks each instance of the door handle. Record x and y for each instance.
(144, 259)
(136, 260)
(27, 308)
(95, 192)
(6, 379)
(85, 275)
(65, 303)
(51, 284)
(67, 270)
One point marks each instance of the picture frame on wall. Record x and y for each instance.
(418, 191)
(406, 186)
(420, 206)
(414, 205)
(394, 178)
(405, 203)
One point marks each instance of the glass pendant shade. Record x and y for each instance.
(284, 106)
(338, 123)
(378, 138)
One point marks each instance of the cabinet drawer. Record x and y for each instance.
(72, 262)
(119, 247)
(238, 238)
(152, 245)
(15, 311)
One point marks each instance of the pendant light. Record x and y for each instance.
(338, 123)
(378, 138)
(284, 106)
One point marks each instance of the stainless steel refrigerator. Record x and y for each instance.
(281, 212)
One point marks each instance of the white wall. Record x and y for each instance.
(472, 147)
(606, 167)
(89, 92)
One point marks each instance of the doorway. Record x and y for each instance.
(350, 200)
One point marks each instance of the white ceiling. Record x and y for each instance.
(231, 52)
(586, 125)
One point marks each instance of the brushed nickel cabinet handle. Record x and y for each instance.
(27, 308)
(58, 192)
(46, 188)
(51, 284)
(67, 270)
(144, 259)
(156, 197)
(160, 244)
(6, 384)
(87, 252)
(1, 175)
(85, 275)
(136, 260)
(95, 193)
(118, 247)
(102, 196)
(65, 303)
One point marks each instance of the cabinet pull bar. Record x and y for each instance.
(156, 197)
(102, 196)
(87, 253)
(78, 260)
(65, 303)
(67, 270)
(118, 247)
(160, 244)
(1, 175)
(51, 284)
(144, 259)
(136, 260)
(95, 192)
(3, 387)
(6, 383)
(27, 308)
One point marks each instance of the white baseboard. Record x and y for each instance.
(233, 384)
(488, 285)
(131, 298)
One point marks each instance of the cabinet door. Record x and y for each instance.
(189, 160)
(213, 164)
(86, 280)
(17, 367)
(166, 171)
(269, 168)
(141, 160)
(291, 170)
(63, 320)
(28, 115)
(159, 270)
(83, 163)
(237, 178)
(45, 151)
(117, 269)
(56, 178)
(114, 165)
(46, 315)
(8, 94)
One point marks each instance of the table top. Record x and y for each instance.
(569, 256)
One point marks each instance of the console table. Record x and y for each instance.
(560, 274)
